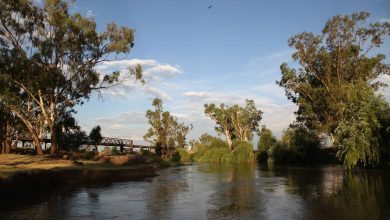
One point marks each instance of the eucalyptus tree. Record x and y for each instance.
(221, 116)
(335, 85)
(53, 55)
(155, 134)
(181, 132)
(245, 120)
(235, 121)
(165, 132)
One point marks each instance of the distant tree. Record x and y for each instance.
(181, 132)
(245, 120)
(95, 136)
(165, 132)
(155, 134)
(206, 139)
(267, 139)
(235, 121)
(222, 118)
(69, 134)
(302, 145)
(51, 57)
(10, 129)
(335, 86)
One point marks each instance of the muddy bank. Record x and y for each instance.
(42, 180)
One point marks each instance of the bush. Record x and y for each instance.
(218, 143)
(267, 140)
(297, 145)
(243, 152)
(262, 156)
(216, 155)
(181, 155)
(279, 153)
(200, 149)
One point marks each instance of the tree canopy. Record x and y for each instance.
(335, 85)
(235, 121)
(47, 58)
(165, 132)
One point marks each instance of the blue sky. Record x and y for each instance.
(193, 55)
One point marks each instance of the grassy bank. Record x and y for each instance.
(24, 173)
(11, 164)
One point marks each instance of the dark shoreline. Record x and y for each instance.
(41, 180)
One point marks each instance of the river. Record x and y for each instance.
(214, 191)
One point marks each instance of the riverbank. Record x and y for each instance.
(20, 174)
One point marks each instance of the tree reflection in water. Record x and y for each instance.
(219, 191)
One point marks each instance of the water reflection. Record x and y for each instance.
(214, 191)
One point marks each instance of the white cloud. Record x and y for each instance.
(275, 116)
(155, 92)
(155, 75)
(124, 118)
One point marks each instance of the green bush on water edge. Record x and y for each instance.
(217, 152)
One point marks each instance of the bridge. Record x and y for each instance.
(106, 141)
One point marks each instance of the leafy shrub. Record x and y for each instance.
(184, 155)
(243, 152)
(200, 149)
(262, 156)
(297, 145)
(218, 143)
(267, 140)
(279, 153)
(216, 155)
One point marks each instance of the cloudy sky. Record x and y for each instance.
(193, 55)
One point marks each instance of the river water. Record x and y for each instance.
(213, 191)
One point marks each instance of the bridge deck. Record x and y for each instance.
(106, 141)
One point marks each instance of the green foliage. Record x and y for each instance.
(280, 153)
(383, 116)
(243, 152)
(218, 143)
(165, 132)
(221, 117)
(48, 57)
(297, 145)
(358, 134)
(267, 140)
(181, 155)
(206, 139)
(200, 149)
(216, 155)
(235, 121)
(69, 134)
(334, 68)
(218, 152)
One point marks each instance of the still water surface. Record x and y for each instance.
(212, 191)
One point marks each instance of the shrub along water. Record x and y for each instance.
(181, 155)
(243, 152)
(218, 152)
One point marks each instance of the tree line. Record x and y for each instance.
(336, 90)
